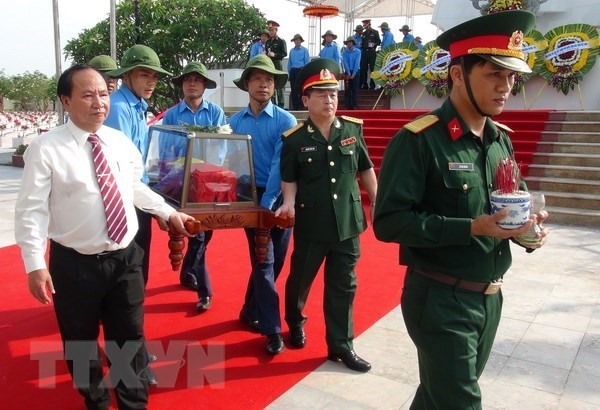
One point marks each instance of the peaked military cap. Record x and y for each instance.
(497, 38)
(272, 24)
(321, 73)
(194, 67)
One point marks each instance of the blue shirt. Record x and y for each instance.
(266, 131)
(409, 37)
(257, 48)
(331, 51)
(298, 58)
(128, 114)
(357, 41)
(208, 113)
(351, 60)
(387, 39)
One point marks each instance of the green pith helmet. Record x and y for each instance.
(497, 38)
(385, 26)
(297, 36)
(138, 56)
(321, 73)
(194, 67)
(359, 28)
(328, 33)
(103, 63)
(264, 63)
(349, 39)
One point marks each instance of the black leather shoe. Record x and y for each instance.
(297, 337)
(275, 344)
(188, 281)
(351, 360)
(203, 304)
(149, 376)
(251, 324)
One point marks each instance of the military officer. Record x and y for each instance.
(320, 161)
(434, 200)
(276, 50)
(370, 41)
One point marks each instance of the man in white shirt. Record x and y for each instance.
(90, 277)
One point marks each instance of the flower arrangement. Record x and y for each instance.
(494, 6)
(393, 66)
(572, 51)
(534, 45)
(432, 69)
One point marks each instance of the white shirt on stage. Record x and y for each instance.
(59, 197)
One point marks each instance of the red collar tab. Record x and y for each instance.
(454, 129)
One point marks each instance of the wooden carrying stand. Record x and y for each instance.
(243, 217)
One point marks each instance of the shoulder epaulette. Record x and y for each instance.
(504, 127)
(293, 129)
(352, 119)
(422, 123)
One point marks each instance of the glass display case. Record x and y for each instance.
(207, 172)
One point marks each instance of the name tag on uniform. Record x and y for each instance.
(308, 149)
(348, 141)
(461, 166)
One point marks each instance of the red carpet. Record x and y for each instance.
(381, 125)
(236, 373)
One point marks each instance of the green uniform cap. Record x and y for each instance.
(138, 56)
(194, 67)
(322, 73)
(264, 63)
(496, 37)
(103, 63)
(328, 33)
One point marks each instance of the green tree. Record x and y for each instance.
(29, 91)
(217, 33)
(4, 88)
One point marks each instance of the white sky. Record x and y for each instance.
(27, 33)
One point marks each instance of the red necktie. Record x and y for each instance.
(113, 203)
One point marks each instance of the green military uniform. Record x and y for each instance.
(329, 218)
(278, 47)
(370, 42)
(436, 176)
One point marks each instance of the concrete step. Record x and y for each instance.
(573, 126)
(569, 147)
(573, 216)
(564, 171)
(573, 200)
(581, 186)
(579, 137)
(575, 116)
(586, 160)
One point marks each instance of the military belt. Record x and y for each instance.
(489, 288)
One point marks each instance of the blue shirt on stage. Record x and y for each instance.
(257, 48)
(128, 114)
(266, 131)
(409, 37)
(208, 113)
(298, 58)
(387, 39)
(357, 41)
(331, 51)
(351, 60)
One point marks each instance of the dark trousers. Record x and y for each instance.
(110, 289)
(453, 331)
(143, 238)
(351, 92)
(262, 300)
(367, 66)
(194, 262)
(340, 287)
(277, 98)
(295, 93)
